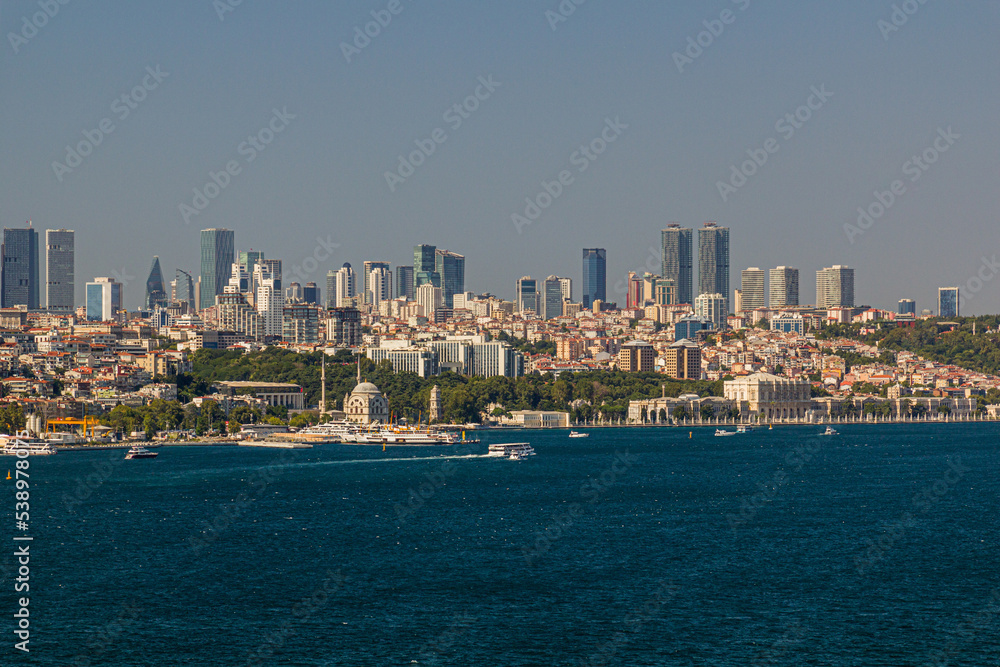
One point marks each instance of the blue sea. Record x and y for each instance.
(653, 546)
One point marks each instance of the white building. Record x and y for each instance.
(770, 396)
(712, 307)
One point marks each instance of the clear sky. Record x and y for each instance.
(678, 126)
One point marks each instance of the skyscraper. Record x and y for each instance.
(60, 281)
(527, 296)
(270, 300)
(907, 307)
(752, 288)
(183, 287)
(948, 302)
(424, 266)
(451, 267)
(835, 287)
(104, 300)
(404, 282)
(248, 259)
(343, 286)
(368, 267)
(595, 282)
(678, 260)
(552, 297)
(567, 288)
(156, 295)
(311, 293)
(218, 249)
(20, 268)
(379, 284)
(712, 307)
(784, 287)
(713, 261)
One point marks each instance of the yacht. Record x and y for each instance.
(577, 434)
(830, 431)
(744, 428)
(11, 445)
(140, 452)
(509, 449)
(720, 432)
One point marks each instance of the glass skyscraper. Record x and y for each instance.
(713, 261)
(156, 295)
(678, 260)
(948, 302)
(404, 282)
(218, 251)
(60, 281)
(104, 300)
(424, 266)
(595, 281)
(183, 287)
(20, 268)
(451, 267)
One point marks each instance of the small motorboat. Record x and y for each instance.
(515, 456)
(719, 432)
(830, 431)
(577, 434)
(140, 452)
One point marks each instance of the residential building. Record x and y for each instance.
(595, 280)
(429, 298)
(218, 248)
(678, 260)
(343, 327)
(300, 323)
(784, 287)
(682, 360)
(713, 261)
(60, 280)
(712, 307)
(341, 291)
(636, 356)
(269, 301)
(835, 287)
(378, 284)
(752, 289)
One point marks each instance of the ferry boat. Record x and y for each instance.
(577, 434)
(140, 452)
(744, 428)
(508, 450)
(720, 432)
(10, 445)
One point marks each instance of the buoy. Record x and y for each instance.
(690, 434)
(8, 474)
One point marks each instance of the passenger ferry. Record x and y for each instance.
(10, 445)
(511, 450)
(140, 452)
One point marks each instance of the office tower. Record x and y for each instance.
(711, 307)
(248, 259)
(713, 260)
(429, 298)
(20, 271)
(424, 266)
(269, 301)
(683, 360)
(274, 268)
(664, 291)
(218, 249)
(404, 282)
(331, 288)
(636, 356)
(60, 279)
(784, 287)
(678, 260)
(634, 291)
(907, 307)
(948, 303)
(552, 297)
(567, 288)
(343, 287)
(293, 293)
(367, 267)
(311, 293)
(451, 267)
(752, 288)
(183, 291)
(835, 287)
(104, 300)
(379, 281)
(526, 299)
(595, 282)
(156, 295)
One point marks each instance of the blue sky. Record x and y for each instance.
(323, 175)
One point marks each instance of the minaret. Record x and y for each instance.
(322, 385)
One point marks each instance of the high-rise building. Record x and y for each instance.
(404, 282)
(269, 301)
(567, 288)
(527, 298)
(20, 272)
(424, 266)
(248, 259)
(948, 302)
(752, 289)
(218, 249)
(274, 268)
(367, 268)
(156, 295)
(342, 289)
(552, 298)
(344, 327)
(711, 307)
(379, 281)
(451, 267)
(713, 261)
(60, 281)
(595, 281)
(634, 294)
(664, 291)
(429, 298)
(784, 287)
(907, 307)
(104, 300)
(737, 301)
(683, 360)
(835, 287)
(636, 356)
(183, 291)
(678, 260)
(293, 293)
(311, 293)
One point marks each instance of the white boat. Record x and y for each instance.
(577, 434)
(743, 428)
(140, 452)
(11, 445)
(720, 432)
(830, 431)
(515, 456)
(509, 449)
